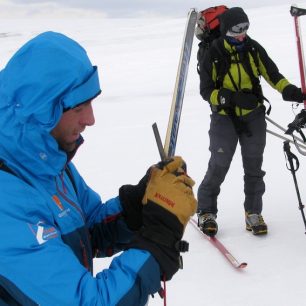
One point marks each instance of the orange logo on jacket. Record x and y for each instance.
(58, 202)
(164, 199)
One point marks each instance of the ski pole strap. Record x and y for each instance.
(163, 291)
(302, 135)
(291, 157)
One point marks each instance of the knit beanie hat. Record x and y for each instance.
(234, 22)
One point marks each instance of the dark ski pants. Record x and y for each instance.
(223, 143)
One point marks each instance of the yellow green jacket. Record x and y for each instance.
(222, 54)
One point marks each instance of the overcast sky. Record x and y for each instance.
(135, 8)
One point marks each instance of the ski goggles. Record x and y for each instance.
(238, 29)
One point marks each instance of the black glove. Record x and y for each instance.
(225, 98)
(245, 99)
(131, 200)
(168, 205)
(293, 93)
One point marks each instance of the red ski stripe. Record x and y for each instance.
(214, 241)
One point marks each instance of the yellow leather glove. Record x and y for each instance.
(168, 204)
(171, 188)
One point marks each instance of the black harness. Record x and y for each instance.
(222, 60)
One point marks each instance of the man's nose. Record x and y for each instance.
(88, 117)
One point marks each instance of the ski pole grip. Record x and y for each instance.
(291, 157)
(296, 11)
(286, 146)
(298, 123)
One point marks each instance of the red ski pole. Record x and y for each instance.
(296, 12)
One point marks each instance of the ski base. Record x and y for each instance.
(216, 243)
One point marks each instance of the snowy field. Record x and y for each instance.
(137, 60)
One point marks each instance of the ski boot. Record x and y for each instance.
(256, 224)
(207, 223)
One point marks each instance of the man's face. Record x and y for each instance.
(240, 37)
(72, 123)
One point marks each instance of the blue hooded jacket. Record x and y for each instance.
(52, 223)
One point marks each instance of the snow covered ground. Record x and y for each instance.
(137, 61)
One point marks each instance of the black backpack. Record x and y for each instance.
(208, 32)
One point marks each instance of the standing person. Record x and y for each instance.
(52, 223)
(229, 81)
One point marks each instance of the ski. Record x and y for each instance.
(296, 12)
(216, 243)
(179, 89)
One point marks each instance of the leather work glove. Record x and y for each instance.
(245, 99)
(225, 98)
(293, 94)
(131, 200)
(168, 204)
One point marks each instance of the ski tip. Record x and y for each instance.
(242, 265)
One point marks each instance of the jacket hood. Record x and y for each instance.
(48, 74)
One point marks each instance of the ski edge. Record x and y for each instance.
(180, 83)
(217, 244)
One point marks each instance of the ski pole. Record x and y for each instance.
(296, 12)
(291, 157)
(298, 145)
(298, 142)
(282, 129)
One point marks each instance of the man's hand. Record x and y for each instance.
(168, 204)
(171, 188)
(245, 99)
(293, 93)
(131, 200)
(225, 98)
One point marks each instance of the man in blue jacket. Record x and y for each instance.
(53, 224)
